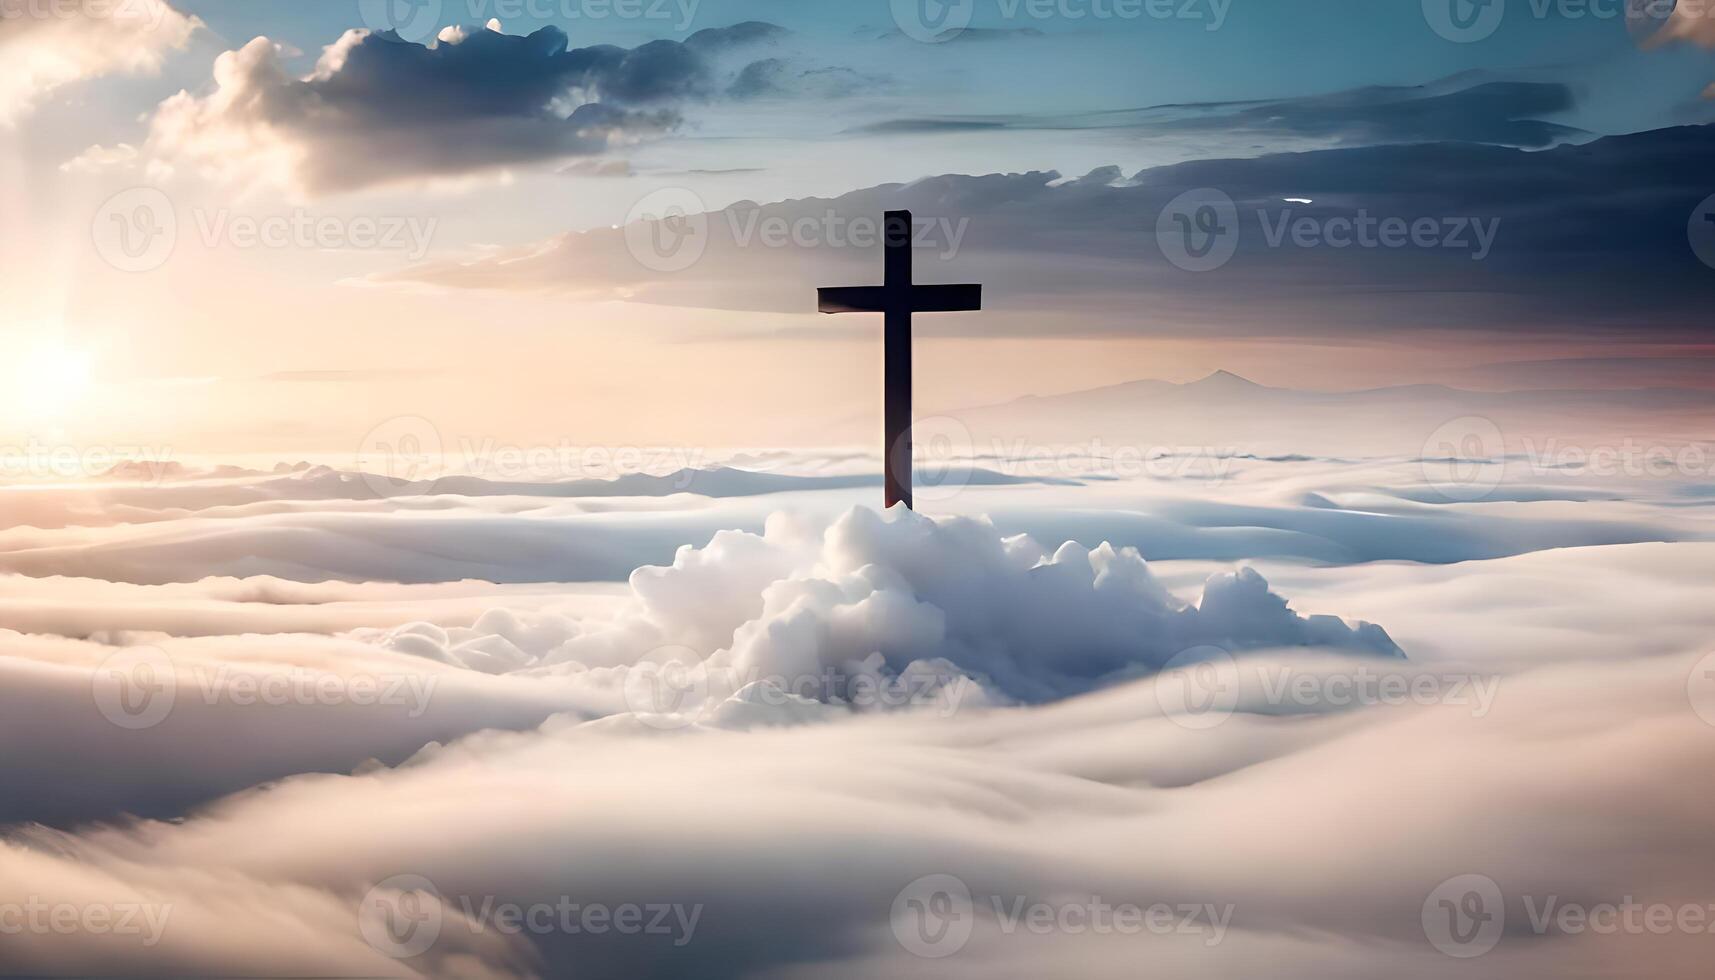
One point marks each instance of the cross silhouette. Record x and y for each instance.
(898, 298)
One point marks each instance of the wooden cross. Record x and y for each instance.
(898, 298)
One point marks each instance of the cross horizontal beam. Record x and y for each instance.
(918, 299)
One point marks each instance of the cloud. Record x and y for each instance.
(896, 594)
(316, 524)
(935, 736)
(1506, 113)
(763, 628)
(379, 110)
(1470, 107)
(1575, 240)
(781, 78)
(47, 46)
(795, 844)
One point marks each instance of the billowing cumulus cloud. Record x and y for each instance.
(45, 46)
(881, 597)
(870, 613)
(378, 109)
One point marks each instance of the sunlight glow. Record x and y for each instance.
(51, 380)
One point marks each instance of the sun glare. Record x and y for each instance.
(51, 380)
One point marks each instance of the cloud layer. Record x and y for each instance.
(48, 46)
(380, 110)
(1576, 240)
(773, 736)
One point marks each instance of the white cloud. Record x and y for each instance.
(1323, 835)
(46, 46)
(791, 823)
(377, 110)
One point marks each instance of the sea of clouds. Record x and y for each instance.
(1286, 722)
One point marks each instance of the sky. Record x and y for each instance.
(239, 227)
(429, 498)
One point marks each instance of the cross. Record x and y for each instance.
(898, 299)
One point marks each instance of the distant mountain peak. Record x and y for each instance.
(1224, 379)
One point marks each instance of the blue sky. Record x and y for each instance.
(512, 138)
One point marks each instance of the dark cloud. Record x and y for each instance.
(928, 126)
(712, 39)
(1465, 108)
(1506, 113)
(777, 77)
(379, 109)
(1587, 239)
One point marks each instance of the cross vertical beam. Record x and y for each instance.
(897, 298)
(896, 359)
